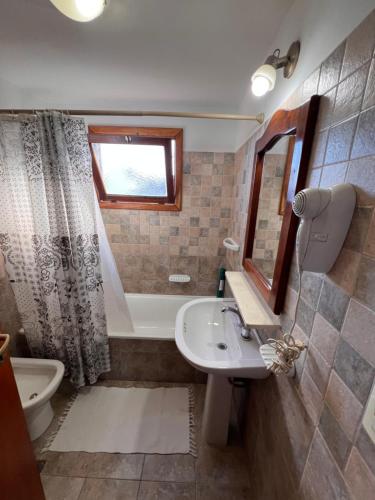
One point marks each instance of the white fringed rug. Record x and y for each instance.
(128, 420)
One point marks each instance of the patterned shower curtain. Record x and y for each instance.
(49, 240)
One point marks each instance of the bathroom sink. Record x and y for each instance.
(211, 341)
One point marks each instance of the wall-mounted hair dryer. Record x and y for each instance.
(325, 215)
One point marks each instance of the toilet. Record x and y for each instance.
(37, 381)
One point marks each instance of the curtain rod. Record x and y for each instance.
(95, 112)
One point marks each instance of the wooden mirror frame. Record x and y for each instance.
(300, 123)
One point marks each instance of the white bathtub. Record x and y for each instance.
(153, 316)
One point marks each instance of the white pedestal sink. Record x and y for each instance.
(209, 340)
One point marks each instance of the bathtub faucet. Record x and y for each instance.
(245, 330)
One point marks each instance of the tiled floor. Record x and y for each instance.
(89, 476)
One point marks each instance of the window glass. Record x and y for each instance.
(132, 169)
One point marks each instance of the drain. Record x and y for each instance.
(33, 395)
(222, 346)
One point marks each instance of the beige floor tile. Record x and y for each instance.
(61, 488)
(224, 467)
(150, 490)
(109, 489)
(211, 491)
(169, 468)
(103, 465)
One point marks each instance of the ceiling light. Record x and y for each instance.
(264, 78)
(81, 10)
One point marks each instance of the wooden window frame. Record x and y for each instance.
(140, 135)
(300, 123)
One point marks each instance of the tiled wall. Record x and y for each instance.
(149, 246)
(269, 221)
(304, 436)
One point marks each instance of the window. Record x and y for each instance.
(137, 168)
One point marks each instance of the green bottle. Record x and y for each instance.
(220, 289)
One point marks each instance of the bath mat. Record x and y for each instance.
(129, 420)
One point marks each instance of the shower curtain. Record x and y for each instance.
(49, 239)
(116, 307)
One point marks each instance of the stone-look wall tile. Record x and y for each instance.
(310, 85)
(300, 362)
(359, 477)
(324, 338)
(340, 140)
(369, 99)
(317, 368)
(332, 305)
(311, 287)
(357, 374)
(299, 425)
(155, 361)
(333, 174)
(365, 289)
(311, 397)
(344, 272)
(305, 316)
(350, 94)
(149, 246)
(344, 405)
(369, 248)
(364, 141)
(361, 173)
(327, 103)
(335, 437)
(322, 478)
(277, 449)
(319, 149)
(330, 70)
(343, 151)
(313, 177)
(359, 330)
(367, 448)
(358, 230)
(359, 46)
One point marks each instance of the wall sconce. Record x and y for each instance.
(264, 78)
(81, 10)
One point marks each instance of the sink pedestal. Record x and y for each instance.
(217, 407)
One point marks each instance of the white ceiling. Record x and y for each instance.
(167, 55)
(193, 55)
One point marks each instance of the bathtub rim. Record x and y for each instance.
(165, 296)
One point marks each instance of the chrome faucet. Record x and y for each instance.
(245, 330)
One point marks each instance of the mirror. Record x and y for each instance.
(280, 168)
(271, 205)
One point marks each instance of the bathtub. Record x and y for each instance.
(153, 316)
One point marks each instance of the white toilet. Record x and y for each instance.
(37, 381)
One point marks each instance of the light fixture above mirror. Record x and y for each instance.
(264, 78)
(81, 10)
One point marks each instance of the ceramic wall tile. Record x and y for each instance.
(354, 370)
(343, 151)
(359, 46)
(359, 477)
(344, 406)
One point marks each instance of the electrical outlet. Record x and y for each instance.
(369, 416)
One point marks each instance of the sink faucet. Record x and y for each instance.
(245, 330)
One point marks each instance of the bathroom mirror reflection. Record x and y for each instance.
(271, 205)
